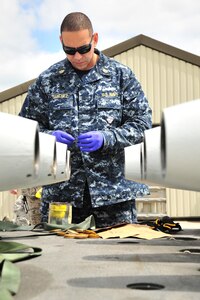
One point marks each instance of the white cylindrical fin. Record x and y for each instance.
(152, 156)
(180, 146)
(19, 151)
(134, 162)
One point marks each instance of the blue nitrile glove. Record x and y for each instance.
(90, 141)
(63, 137)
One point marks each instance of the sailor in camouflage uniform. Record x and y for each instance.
(97, 107)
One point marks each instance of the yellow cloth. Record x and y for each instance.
(39, 193)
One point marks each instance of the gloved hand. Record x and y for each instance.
(90, 141)
(63, 137)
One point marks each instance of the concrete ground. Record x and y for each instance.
(112, 269)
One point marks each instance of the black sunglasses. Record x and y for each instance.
(82, 50)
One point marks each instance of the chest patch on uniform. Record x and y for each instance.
(60, 96)
(110, 94)
(110, 120)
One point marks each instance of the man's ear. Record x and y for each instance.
(95, 38)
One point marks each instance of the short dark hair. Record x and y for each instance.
(76, 21)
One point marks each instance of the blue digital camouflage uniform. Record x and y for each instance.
(108, 98)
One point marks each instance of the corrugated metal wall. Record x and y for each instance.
(13, 106)
(166, 81)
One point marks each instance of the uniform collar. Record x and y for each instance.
(101, 69)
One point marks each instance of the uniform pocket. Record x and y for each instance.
(61, 112)
(109, 112)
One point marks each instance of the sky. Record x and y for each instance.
(29, 29)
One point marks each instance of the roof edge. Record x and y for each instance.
(15, 91)
(144, 40)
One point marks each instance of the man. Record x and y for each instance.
(96, 106)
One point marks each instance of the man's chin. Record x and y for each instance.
(80, 66)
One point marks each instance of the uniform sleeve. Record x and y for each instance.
(35, 106)
(136, 115)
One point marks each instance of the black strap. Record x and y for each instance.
(165, 224)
